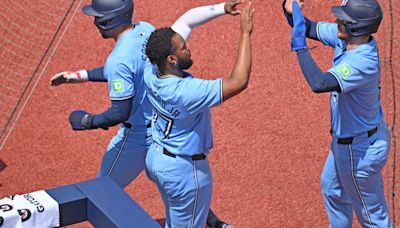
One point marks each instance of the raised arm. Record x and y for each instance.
(203, 14)
(311, 31)
(239, 78)
(318, 80)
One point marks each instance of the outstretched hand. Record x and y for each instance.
(59, 79)
(246, 20)
(299, 28)
(230, 6)
(69, 77)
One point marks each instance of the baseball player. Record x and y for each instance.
(123, 70)
(351, 178)
(177, 159)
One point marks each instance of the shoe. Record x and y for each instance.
(221, 224)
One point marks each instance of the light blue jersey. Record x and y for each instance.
(357, 108)
(124, 69)
(351, 180)
(182, 120)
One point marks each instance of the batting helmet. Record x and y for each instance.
(362, 17)
(110, 14)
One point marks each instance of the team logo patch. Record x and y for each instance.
(345, 70)
(118, 85)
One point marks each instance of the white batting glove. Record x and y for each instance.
(69, 77)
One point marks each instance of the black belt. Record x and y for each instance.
(195, 157)
(128, 125)
(349, 140)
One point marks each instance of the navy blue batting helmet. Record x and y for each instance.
(362, 17)
(110, 14)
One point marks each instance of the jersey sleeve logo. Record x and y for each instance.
(345, 70)
(118, 86)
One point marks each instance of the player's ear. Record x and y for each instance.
(172, 59)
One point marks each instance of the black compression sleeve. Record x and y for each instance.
(117, 113)
(311, 29)
(318, 80)
(96, 75)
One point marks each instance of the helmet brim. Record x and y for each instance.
(341, 14)
(88, 10)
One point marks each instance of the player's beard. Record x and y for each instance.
(106, 35)
(185, 64)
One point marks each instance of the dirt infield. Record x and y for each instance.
(270, 142)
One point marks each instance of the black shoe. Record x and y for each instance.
(221, 224)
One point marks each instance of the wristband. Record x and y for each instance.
(82, 75)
